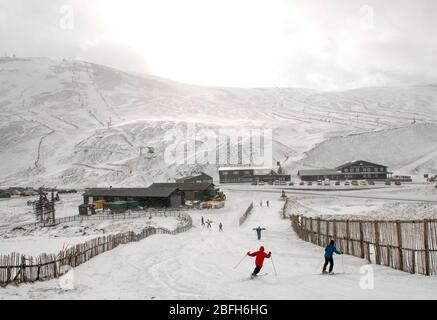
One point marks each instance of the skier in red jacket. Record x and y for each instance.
(259, 261)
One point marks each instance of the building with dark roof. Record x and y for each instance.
(250, 174)
(355, 170)
(153, 196)
(200, 178)
(202, 191)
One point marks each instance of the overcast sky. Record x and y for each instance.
(245, 43)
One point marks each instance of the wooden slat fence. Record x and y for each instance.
(17, 268)
(406, 245)
(246, 214)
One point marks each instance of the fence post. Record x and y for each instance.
(377, 248)
(401, 253)
(362, 240)
(311, 230)
(327, 232)
(335, 231)
(318, 232)
(347, 236)
(425, 234)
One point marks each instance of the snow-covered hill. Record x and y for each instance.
(78, 124)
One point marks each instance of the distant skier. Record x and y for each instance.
(258, 232)
(259, 261)
(261, 203)
(268, 203)
(203, 221)
(329, 252)
(208, 224)
(220, 227)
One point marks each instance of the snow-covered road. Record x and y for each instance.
(199, 264)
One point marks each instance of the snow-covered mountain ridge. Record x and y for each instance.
(77, 124)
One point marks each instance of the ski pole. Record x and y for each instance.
(274, 266)
(342, 263)
(240, 261)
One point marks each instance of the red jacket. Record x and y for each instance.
(260, 256)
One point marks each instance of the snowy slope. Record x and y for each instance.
(199, 264)
(78, 124)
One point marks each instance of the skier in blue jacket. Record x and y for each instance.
(329, 252)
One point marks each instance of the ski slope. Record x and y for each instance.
(77, 124)
(199, 264)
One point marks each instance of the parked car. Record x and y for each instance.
(270, 183)
(319, 182)
(371, 182)
(255, 183)
(283, 183)
(354, 183)
(388, 183)
(327, 182)
(310, 183)
(277, 183)
(261, 183)
(398, 183)
(363, 183)
(302, 183)
(347, 183)
(337, 183)
(291, 183)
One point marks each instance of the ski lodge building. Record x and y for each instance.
(251, 174)
(200, 178)
(355, 170)
(153, 196)
(200, 191)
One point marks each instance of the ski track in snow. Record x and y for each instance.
(199, 264)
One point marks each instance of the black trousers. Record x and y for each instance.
(257, 270)
(331, 264)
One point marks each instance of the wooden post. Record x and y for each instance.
(301, 226)
(401, 253)
(347, 237)
(377, 248)
(362, 240)
(335, 231)
(311, 232)
(425, 234)
(318, 232)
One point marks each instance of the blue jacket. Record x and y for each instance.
(329, 251)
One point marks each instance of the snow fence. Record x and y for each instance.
(409, 246)
(17, 268)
